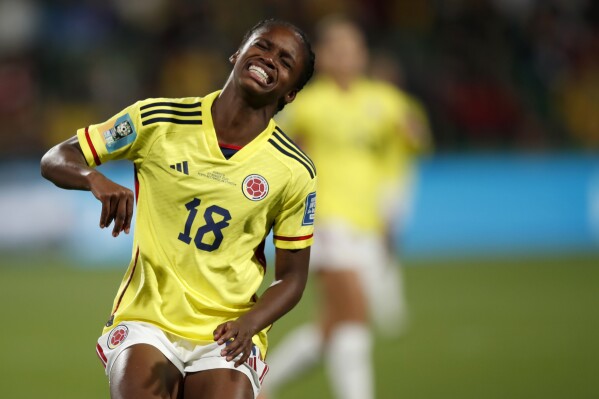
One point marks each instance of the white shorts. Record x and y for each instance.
(187, 356)
(338, 246)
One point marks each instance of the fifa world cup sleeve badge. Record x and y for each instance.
(309, 209)
(121, 134)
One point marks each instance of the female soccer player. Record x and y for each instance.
(213, 175)
(359, 133)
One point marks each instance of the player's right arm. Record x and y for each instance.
(65, 166)
(71, 164)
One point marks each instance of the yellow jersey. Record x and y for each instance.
(201, 219)
(358, 140)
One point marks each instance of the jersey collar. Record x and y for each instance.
(212, 140)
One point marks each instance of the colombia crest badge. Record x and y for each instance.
(117, 336)
(255, 187)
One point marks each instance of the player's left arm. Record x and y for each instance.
(291, 274)
(293, 231)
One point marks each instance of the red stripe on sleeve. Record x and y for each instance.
(91, 146)
(301, 238)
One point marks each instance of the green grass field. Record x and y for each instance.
(478, 330)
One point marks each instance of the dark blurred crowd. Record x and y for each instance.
(493, 74)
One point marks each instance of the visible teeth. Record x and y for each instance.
(260, 72)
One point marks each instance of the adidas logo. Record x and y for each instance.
(181, 167)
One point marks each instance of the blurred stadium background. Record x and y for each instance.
(501, 247)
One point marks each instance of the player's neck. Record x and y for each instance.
(235, 121)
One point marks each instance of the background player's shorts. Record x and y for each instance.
(338, 247)
(187, 356)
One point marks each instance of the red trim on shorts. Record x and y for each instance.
(91, 146)
(283, 238)
(230, 146)
(266, 368)
(128, 282)
(252, 363)
(101, 354)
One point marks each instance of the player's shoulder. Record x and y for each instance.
(181, 111)
(291, 155)
(183, 103)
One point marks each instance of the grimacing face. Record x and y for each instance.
(270, 63)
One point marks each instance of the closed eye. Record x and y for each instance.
(287, 59)
(261, 45)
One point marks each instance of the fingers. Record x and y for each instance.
(225, 333)
(218, 333)
(114, 203)
(118, 206)
(120, 217)
(245, 354)
(236, 348)
(105, 211)
(127, 224)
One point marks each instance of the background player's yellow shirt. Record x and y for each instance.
(355, 138)
(201, 219)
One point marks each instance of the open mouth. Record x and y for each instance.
(260, 74)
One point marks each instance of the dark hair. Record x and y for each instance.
(308, 69)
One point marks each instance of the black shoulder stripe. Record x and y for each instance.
(293, 147)
(172, 120)
(278, 129)
(172, 112)
(292, 155)
(170, 104)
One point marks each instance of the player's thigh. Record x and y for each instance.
(142, 371)
(343, 297)
(218, 384)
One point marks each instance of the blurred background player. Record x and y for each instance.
(360, 136)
